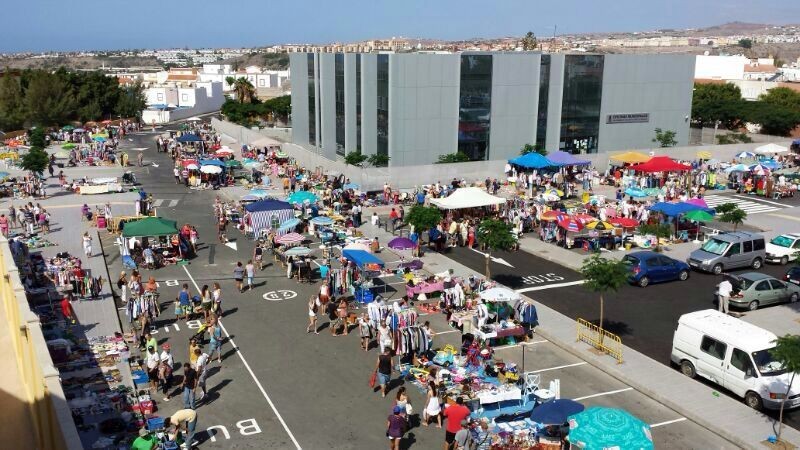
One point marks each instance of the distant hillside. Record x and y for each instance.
(91, 62)
(269, 61)
(735, 28)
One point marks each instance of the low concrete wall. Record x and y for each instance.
(406, 177)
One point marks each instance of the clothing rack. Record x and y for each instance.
(412, 339)
(146, 303)
(526, 312)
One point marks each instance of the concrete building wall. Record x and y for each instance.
(298, 63)
(555, 102)
(515, 101)
(659, 85)
(423, 107)
(720, 67)
(327, 105)
(369, 104)
(350, 119)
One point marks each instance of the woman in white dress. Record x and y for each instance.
(87, 244)
(432, 406)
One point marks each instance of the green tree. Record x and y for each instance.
(787, 352)
(12, 114)
(730, 213)
(453, 158)
(423, 218)
(48, 99)
(37, 138)
(35, 161)
(717, 102)
(495, 235)
(378, 160)
(279, 106)
(665, 138)
(602, 276)
(131, 101)
(355, 158)
(529, 42)
(733, 138)
(774, 119)
(244, 89)
(782, 96)
(529, 148)
(746, 43)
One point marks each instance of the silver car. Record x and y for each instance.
(752, 290)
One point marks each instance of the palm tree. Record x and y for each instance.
(245, 91)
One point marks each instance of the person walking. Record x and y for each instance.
(188, 385)
(250, 271)
(432, 406)
(67, 311)
(152, 361)
(384, 369)
(186, 419)
(313, 307)
(216, 295)
(724, 291)
(185, 302)
(166, 365)
(206, 301)
(215, 340)
(12, 216)
(454, 415)
(201, 366)
(87, 244)
(365, 331)
(4, 225)
(396, 426)
(238, 276)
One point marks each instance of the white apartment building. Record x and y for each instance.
(172, 101)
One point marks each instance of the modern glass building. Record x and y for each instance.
(415, 107)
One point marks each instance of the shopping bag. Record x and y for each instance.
(373, 379)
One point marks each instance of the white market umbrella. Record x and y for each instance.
(771, 149)
(357, 246)
(211, 169)
(191, 166)
(194, 119)
(500, 294)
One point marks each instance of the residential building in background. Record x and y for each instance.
(415, 107)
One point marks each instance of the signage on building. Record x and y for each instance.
(628, 118)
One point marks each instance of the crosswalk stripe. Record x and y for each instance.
(746, 205)
(157, 202)
(166, 203)
(173, 203)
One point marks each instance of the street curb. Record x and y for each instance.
(666, 401)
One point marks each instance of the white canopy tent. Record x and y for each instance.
(468, 197)
(266, 142)
(771, 149)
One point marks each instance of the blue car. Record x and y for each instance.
(652, 267)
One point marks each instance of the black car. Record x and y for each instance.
(793, 275)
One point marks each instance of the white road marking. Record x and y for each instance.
(603, 393)
(497, 260)
(560, 367)
(550, 286)
(784, 216)
(668, 422)
(247, 366)
(756, 199)
(173, 203)
(232, 245)
(447, 332)
(503, 347)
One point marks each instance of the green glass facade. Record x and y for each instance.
(544, 97)
(339, 81)
(580, 108)
(312, 102)
(383, 105)
(475, 106)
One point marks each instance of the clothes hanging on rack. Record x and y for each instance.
(401, 319)
(411, 339)
(377, 312)
(526, 312)
(143, 304)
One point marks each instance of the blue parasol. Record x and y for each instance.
(322, 220)
(555, 412)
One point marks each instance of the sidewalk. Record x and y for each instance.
(721, 415)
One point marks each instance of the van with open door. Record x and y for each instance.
(733, 354)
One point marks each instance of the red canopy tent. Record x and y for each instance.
(661, 164)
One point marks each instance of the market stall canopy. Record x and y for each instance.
(151, 226)
(562, 158)
(624, 222)
(210, 169)
(189, 137)
(358, 246)
(298, 251)
(738, 168)
(302, 197)
(704, 154)
(265, 142)
(267, 205)
(289, 224)
(675, 209)
(322, 220)
(630, 157)
(661, 164)
(744, 155)
(401, 243)
(291, 238)
(556, 412)
(362, 258)
(500, 294)
(212, 162)
(599, 427)
(771, 149)
(194, 119)
(468, 197)
(636, 192)
(699, 215)
(570, 224)
(532, 160)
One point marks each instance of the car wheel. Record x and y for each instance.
(687, 369)
(644, 281)
(784, 260)
(684, 275)
(793, 298)
(717, 269)
(752, 306)
(756, 263)
(753, 400)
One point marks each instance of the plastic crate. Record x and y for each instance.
(139, 377)
(155, 423)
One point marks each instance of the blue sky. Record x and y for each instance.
(36, 25)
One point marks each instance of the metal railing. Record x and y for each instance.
(50, 416)
(600, 339)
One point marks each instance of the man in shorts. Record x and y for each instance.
(454, 415)
(258, 255)
(186, 419)
(250, 271)
(152, 361)
(238, 276)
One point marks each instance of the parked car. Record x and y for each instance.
(793, 275)
(752, 290)
(651, 267)
(729, 251)
(783, 248)
(735, 355)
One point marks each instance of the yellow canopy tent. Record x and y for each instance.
(630, 157)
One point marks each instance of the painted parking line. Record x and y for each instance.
(247, 366)
(550, 286)
(668, 422)
(560, 367)
(504, 347)
(603, 393)
(447, 332)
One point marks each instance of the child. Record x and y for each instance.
(365, 331)
(179, 311)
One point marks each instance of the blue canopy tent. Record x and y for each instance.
(189, 137)
(212, 162)
(366, 262)
(676, 209)
(562, 158)
(269, 214)
(532, 160)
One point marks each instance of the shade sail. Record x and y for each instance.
(630, 157)
(674, 209)
(468, 197)
(771, 149)
(661, 164)
(151, 226)
(599, 427)
(189, 138)
(362, 258)
(566, 159)
(532, 160)
(267, 205)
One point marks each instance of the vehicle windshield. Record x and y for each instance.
(743, 283)
(630, 260)
(781, 241)
(715, 246)
(766, 364)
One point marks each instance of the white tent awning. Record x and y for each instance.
(469, 197)
(265, 142)
(771, 149)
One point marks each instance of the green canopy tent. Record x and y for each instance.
(151, 226)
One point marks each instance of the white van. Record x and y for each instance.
(733, 354)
